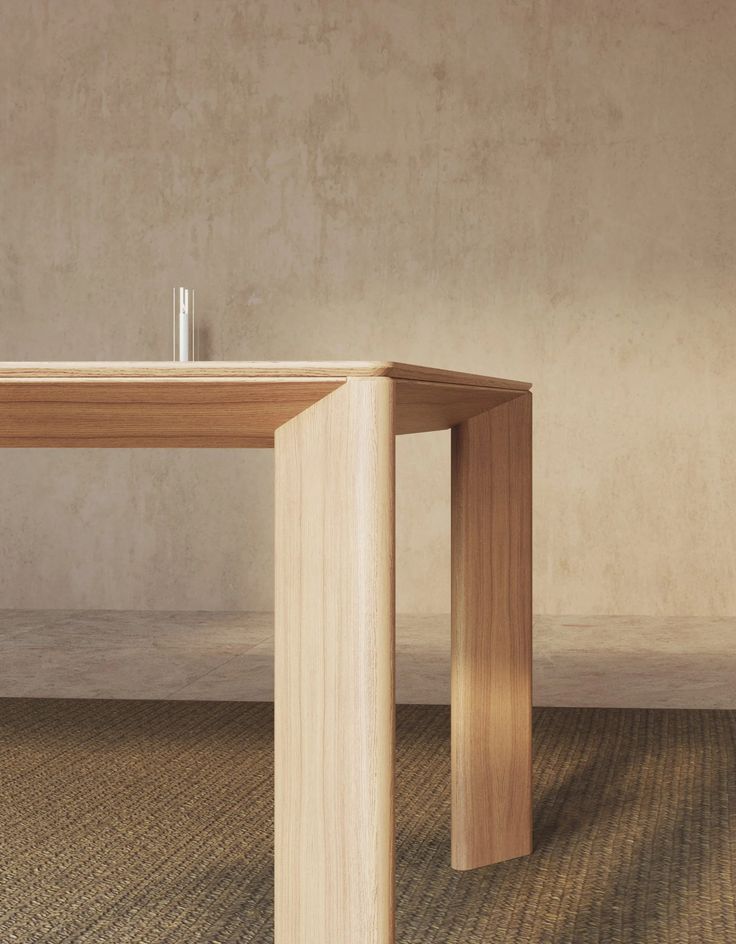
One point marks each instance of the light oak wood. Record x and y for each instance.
(334, 678)
(154, 413)
(491, 636)
(422, 406)
(165, 406)
(243, 369)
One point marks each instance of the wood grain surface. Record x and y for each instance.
(334, 676)
(491, 636)
(242, 369)
(160, 413)
(208, 406)
(423, 406)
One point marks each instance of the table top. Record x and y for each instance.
(240, 370)
(227, 404)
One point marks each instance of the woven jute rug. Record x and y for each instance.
(151, 822)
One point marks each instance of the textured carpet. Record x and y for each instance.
(151, 822)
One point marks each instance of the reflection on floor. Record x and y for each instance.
(578, 661)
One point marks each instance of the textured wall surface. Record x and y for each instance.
(541, 190)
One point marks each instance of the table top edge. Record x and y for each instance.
(298, 370)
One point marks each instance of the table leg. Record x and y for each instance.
(334, 686)
(491, 636)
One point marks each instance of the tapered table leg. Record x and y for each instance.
(491, 636)
(334, 687)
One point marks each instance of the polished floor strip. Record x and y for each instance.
(584, 661)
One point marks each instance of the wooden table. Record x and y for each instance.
(333, 427)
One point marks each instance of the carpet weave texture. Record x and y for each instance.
(152, 823)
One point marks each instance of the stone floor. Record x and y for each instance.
(578, 661)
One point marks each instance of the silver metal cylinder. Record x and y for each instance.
(184, 335)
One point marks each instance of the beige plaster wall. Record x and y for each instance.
(541, 190)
